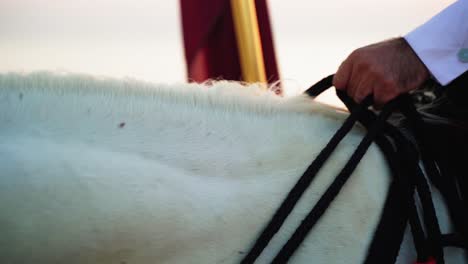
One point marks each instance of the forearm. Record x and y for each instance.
(439, 41)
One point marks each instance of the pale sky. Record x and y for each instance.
(142, 38)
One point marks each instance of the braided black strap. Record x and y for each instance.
(403, 161)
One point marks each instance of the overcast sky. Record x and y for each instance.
(142, 38)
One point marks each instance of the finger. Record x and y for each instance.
(383, 95)
(354, 82)
(341, 78)
(364, 88)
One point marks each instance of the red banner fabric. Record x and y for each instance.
(210, 43)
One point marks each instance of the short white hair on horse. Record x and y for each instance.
(100, 170)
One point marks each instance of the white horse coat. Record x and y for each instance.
(105, 171)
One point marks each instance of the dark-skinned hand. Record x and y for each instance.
(385, 70)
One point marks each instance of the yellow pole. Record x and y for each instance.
(248, 40)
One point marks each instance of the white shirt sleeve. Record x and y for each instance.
(439, 42)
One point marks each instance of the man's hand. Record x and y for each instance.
(385, 69)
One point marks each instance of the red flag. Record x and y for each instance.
(210, 43)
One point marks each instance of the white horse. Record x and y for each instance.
(95, 170)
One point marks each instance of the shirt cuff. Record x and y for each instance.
(438, 42)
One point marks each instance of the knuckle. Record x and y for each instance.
(355, 54)
(358, 51)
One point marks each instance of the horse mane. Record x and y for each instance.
(225, 95)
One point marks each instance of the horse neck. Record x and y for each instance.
(210, 132)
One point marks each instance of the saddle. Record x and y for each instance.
(445, 126)
(404, 139)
